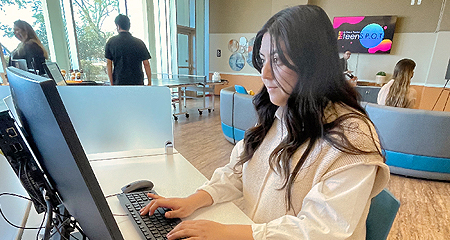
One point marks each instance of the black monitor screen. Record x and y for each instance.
(365, 34)
(52, 70)
(54, 141)
(20, 63)
(447, 74)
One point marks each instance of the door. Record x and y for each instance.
(185, 46)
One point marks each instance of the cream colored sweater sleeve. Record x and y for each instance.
(225, 184)
(331, 210)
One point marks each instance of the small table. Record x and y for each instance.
(181, 83)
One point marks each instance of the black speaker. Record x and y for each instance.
(447, 75)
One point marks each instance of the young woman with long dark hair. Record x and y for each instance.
(311, 165)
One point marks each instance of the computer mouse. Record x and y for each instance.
(138, 186)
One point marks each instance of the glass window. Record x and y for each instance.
(86, 26)
(186, 36)
(94, 25)
(186, 13)
(29, 11)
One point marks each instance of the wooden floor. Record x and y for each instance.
(425, 205)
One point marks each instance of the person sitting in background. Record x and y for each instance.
(30, 47)
(397, 92)
(352, 79)
(343, 61)
(313, 162)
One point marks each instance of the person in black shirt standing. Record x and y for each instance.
(125, 55)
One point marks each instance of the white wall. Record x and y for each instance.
(439, 60)
(430, 51)
(404, 46)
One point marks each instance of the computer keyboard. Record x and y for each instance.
(153, 227)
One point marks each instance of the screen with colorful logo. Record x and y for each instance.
(369, 34)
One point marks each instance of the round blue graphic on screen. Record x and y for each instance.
(371, 35)
(237, 61)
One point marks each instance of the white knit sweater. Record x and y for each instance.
(327, 180)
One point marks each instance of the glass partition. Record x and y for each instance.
(136, 124)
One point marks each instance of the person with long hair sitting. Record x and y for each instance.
(313, 162)
(397, 92)
(30, 47)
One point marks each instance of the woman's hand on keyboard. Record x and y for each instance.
(204, 229)
(181, 207)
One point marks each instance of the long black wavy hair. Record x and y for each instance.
(304, 34)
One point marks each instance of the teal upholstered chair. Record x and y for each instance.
(240, 89)
(382, 213)
(237, 113)
(415, 141)
(368, 93)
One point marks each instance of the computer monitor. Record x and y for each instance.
(447, 74)
(53, 71)
(58, 150)
(20, 63)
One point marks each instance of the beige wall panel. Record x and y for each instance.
(439, 60)
(278, 5)
(428, 49)
(237, 16)
(417, 46)
(445, 23)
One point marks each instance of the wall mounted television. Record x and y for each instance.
(365, 34)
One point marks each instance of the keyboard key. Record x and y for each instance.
(153, 227)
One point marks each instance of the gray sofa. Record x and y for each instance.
(368, 93)
(237, 113)
(416, 142)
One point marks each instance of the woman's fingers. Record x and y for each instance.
(157, 202)
(198, 229)
(146, 210)
(180, 207)
(154, 196)
(177, 213)
(149, 208)
(181, 231)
